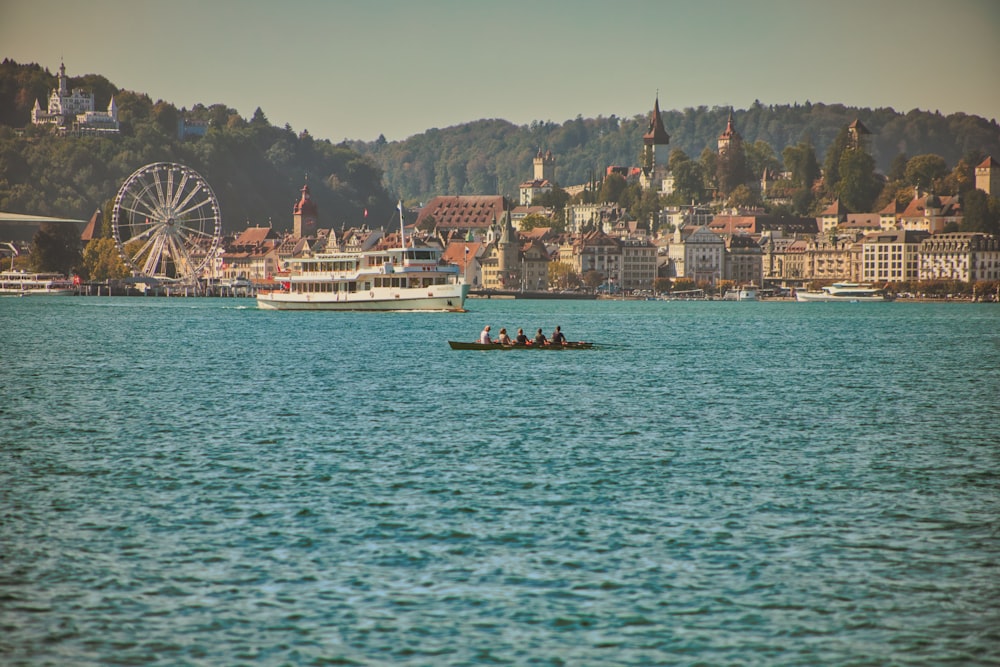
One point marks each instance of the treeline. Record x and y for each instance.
(494, 156)
(255, 168)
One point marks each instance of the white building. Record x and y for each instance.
(965, 256)
(73, 110)
(892, 256)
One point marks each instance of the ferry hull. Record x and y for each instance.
(435, 300)
(830, 298)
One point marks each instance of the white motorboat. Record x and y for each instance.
(850, 292)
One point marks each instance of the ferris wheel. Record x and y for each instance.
(166, 222)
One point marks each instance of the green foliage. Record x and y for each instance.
(800, 160)
(562, 276)
(56, 247)
(924, 171)
(255, 169)
(831, 167)
(101, 261)
(858, 186)
(981, 212)
(534, 220)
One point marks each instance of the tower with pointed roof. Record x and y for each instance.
(730, 139)
(656, 135)
(305, 214)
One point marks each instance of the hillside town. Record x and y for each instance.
(520, 244)
(601, 248)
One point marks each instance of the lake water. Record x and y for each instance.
(196, 482)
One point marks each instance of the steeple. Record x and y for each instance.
(655, 136)
(730, 137)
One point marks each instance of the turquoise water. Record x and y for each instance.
(196, 482)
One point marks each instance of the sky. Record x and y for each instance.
(363, 68)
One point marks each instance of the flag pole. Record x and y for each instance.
(402, 232)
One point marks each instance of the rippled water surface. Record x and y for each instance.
(196, 482)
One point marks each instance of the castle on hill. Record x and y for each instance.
(74, 110)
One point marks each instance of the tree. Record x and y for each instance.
(858, 186)
(981, 212)
(533, 220)
(611, 190)
(760, 157)
(800, 160)
(593, 279)
(101, 260)
(562, 275)
(731, 169)
(831, 166)
(924, 170)
(56, 247)
(742, 197)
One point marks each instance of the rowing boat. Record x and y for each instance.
(459, 345)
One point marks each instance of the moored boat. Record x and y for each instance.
(23, 283)
(850, 292)
(578, 345)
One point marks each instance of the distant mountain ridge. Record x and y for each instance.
(494, 156)
(257, 169)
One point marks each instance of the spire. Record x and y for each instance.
(657, 134)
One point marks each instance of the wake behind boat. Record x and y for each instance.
(414, 278)
(850, 292)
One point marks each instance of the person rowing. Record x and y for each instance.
(521, 339)
(557, 337)
(540, 338)
(484, 336)
(503, 338)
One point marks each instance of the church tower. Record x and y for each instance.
(655, 136)
(730, 139)
(305, 215)
(508, 254)
(545, 166)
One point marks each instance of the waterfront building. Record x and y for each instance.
(704, 256)
(757, 224)
(594, 251)
(638, 262)
(828, 260)
(501, 257)
(251, 255)
(744, 260)
(965, 256)
(988, 176)
(784, 259)
(892, 256)
(74, 110)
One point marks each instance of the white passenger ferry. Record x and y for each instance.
(394, 279)
(850, 292)
(23, 283)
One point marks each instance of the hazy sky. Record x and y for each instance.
(354, 70)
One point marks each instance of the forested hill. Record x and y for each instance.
(255, 168)
(494, 156)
